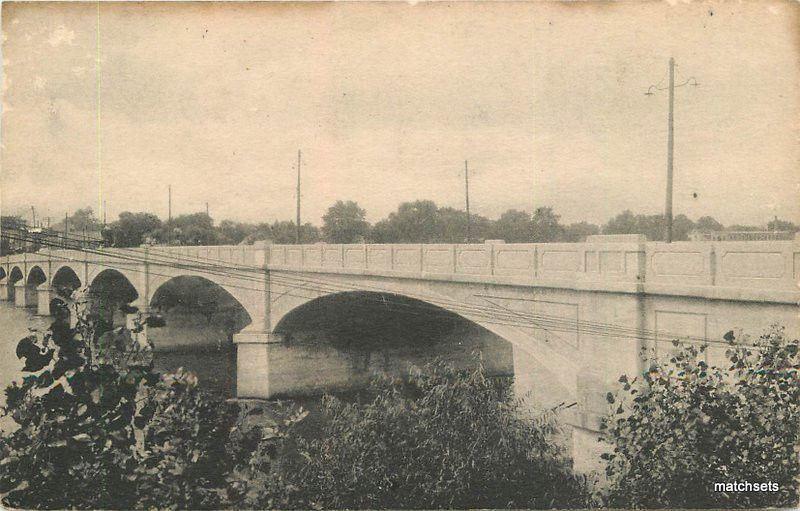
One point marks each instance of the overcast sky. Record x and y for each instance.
(386, 101)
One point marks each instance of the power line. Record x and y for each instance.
(487, 315)
(538, 320)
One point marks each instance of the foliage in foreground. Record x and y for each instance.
(691, 426)
(444, 439)
(99, 429)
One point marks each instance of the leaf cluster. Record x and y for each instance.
(686, 426)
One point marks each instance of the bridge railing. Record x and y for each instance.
(619, 262)
(750, 270)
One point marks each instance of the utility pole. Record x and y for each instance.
(169, 214)
(66, 228)
(33, 214)
(297, 225)
(466, 197)
(670, 147)
(670, 139)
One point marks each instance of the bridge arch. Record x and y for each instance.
(65, 281)
(109, 292)
(358, 333)
(200, 319)
(537, 366)
(36, 277)
(14, 275)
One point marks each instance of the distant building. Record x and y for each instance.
(740, 235)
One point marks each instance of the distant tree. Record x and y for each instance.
(345, 222)
(192, 229)
(681, 227)
(578, 232)
(782, 225)
(10, 225)
(652, 226)
(233, 233)
(623, 223)
(131, 229)
(80, 220)
(514, 226)
(452, 226)
(283, 233)
(383, 231)
(415, 222)
(546, 227)
(708, 224)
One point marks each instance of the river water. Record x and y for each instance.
(14, 325)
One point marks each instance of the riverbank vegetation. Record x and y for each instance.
(686, 426)
(98, 428)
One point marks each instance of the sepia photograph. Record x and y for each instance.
(400, 255)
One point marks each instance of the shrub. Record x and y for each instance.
(691, 426)
(446, 439)
(99, 429)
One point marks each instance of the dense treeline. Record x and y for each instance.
(419, 221)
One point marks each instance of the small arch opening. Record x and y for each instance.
(108, 295)
(65, 282)
(200, 320)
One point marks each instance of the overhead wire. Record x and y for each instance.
(538, 321)
(487, 314)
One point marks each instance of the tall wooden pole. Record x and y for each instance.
(466, 198)
(297, 224)
(670, 146)
(169, 214)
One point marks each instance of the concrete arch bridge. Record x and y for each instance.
(565, 320)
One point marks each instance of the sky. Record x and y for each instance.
(109, 104)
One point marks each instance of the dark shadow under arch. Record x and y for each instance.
(388, 332)
(16, 275)
(204, 297)
(200, 320)
(36, 277)
(108, 294)
(65, 281)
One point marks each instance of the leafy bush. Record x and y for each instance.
(446, 439)
(691, 426)
(98, 428)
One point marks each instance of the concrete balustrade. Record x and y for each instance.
(754, 271)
